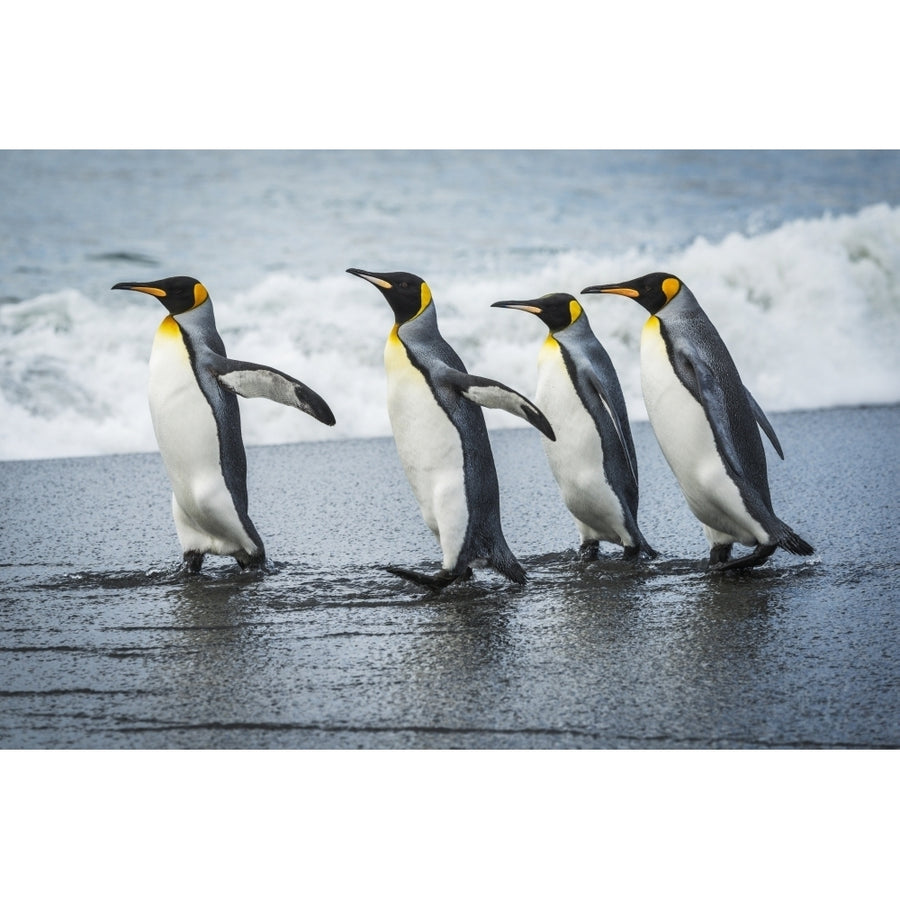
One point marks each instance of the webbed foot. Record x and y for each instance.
(718, 555)
(192, 561)
(639, 551)
(436, 582)
(756, 558)
(589, 551)
(250, 561)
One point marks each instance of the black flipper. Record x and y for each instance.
(595, 383)
(764, 423)
(712, 399)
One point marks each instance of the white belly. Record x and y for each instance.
(576, 456)
(687, 442)
(429, 448)
(188, 440)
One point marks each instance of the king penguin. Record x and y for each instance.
(197, 422)
(441, 437)
(706, 421)
(592, 458)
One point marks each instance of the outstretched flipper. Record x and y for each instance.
(494, 395)
(254, 380)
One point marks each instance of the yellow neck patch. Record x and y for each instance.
(168, 328)
(575, 310)
(550, 353)
(396, 359)
(651, 326)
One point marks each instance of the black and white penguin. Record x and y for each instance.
(706, 423)
(440, 433)
(198, 426)
(592, 458)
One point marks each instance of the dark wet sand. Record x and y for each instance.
(103, 644)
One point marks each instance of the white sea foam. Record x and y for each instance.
(809, 310)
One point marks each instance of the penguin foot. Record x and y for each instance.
(639, 551)
(192, 561)
(435, 582)
(246, 561)
(589, 551)
(749, 561)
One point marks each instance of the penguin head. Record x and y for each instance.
(408, 295)
(178, 294)
(652, 291)
(556, 311)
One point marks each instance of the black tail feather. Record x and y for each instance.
(508, 566)
(793, 543)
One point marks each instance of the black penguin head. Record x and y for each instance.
(652, 291)
(407, 294)
(556, 311)
(178, 294)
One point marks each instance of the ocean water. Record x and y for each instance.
(795, 256)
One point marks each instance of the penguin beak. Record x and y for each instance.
(612, 289)
(373, 278)
(515, 304)
(137, 286)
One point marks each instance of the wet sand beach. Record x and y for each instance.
(104, 644)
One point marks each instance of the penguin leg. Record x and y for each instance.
(436, 582)
(759, 555)
(589, 550)
(719, 554)
(192, 561)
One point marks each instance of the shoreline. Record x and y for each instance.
(492, 430)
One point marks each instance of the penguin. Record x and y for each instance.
(592, 458)
(197, 422)
(441, 437)
(706, 422)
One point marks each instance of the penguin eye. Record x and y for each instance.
(404, 284)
